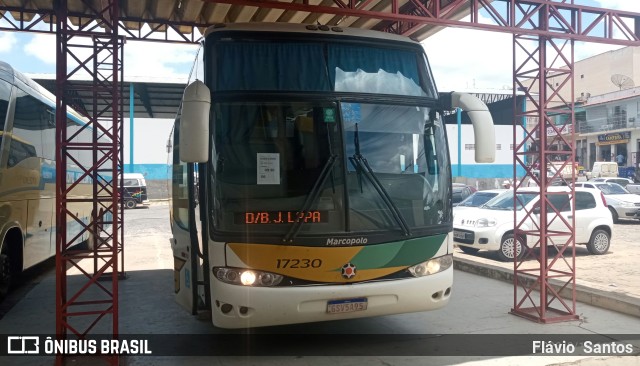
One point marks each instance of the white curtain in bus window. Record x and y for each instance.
(271, 66)
(363, 69)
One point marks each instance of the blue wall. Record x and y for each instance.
(486, 171)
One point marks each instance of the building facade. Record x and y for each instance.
(607, 109)
(610, 129)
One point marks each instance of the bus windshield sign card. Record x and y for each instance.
(268, 168)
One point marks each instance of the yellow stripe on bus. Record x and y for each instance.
(321, 264)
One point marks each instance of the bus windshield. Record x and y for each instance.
(316, 148)
(269, 156)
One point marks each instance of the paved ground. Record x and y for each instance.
(479, 308)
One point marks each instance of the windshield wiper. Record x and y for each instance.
(361, 163)
(311, 198)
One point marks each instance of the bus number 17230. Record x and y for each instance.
(298, 263)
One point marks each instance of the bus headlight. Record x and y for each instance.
(245, 277)
(432, 266)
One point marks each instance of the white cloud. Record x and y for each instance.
(156, 59)
(463, 59)
(626, 5)
(470, 59)
(146, 59)
(7, 41)
(43, 47)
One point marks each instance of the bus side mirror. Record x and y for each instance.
(194, 123)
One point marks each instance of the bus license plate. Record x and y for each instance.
(346, 305)
(459, 234)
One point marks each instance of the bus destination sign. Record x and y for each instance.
(280, 217)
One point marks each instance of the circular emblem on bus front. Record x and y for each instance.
(348, 270)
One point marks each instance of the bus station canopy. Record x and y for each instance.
(153, 98)
(186, 20)
(157, 17)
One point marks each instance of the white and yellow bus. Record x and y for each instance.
(324, 177)
(28, 175)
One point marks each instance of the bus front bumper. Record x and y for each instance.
(236, 306)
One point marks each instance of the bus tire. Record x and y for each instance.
(130, 204)
(5, 274)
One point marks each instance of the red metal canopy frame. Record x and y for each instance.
(544, 35)
(92, 304)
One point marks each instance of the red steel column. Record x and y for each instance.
(543, 70)
(88, 173)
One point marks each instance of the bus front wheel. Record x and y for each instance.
(130, 204)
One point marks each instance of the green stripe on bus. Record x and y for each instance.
(398, 254)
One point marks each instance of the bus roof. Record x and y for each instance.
(307, 29)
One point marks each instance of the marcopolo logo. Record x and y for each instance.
(346, 241)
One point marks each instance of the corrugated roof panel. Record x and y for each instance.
(198, 11)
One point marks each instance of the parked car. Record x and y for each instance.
(621, 181)
(491, 226)
(460, 191)
(134, 190)
(620, 201)
(633, 188)
(477, 199)
(627, 183)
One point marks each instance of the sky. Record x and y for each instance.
(461, 59)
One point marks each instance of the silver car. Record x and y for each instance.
(621, 202)
(621, 181)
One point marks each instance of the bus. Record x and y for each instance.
(28, 176)
(324, 184)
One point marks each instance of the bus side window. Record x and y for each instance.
(179, 193)
(18, 152)
(5, 92)
(29, 122)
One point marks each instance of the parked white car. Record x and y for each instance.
(621, 203)
(491, 227)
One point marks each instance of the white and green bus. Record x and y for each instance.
(324, 181)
